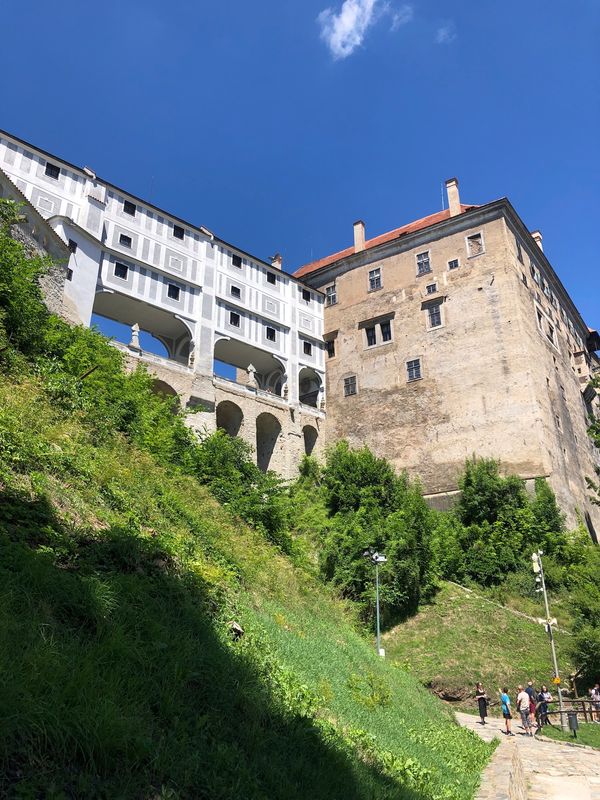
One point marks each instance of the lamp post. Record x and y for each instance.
(377, 559)
(536, 563)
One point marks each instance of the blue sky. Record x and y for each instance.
(277, 124)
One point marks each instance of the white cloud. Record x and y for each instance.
(446, 33)
(344, 32)
(400, 17)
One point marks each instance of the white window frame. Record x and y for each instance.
(406, 369)
(372, 276)
(442, 324)
(328, 300)
(450, 261)
(432, 286)
(468, 249)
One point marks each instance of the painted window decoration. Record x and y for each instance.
(475, 244)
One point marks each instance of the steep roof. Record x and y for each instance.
(417, 225)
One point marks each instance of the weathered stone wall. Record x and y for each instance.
(489, 384)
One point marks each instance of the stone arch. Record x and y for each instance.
(310, 436)
(309, 386)
(162, 387)
(268, 431)
(230, 417)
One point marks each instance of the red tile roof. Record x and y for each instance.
(418, 225)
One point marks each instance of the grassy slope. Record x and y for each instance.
(118, 678)
(587, 734)
(460, 639)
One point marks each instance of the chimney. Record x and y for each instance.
(359, 236)
(277, 261)
(453, 196)
(537, 238)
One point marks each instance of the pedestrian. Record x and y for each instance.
(505, 701)
(595, 698)
(482, 701)
(544, 697)
(523, 709)
(532, 693)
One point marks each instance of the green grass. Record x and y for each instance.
(587, 734)
(118, 674)
(460, 639)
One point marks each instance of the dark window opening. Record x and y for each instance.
(371, 337)
(236, 260)
(72, 246)
(307, 348)
(435, 315)
(121, 271)
(330, 345)
(235, 291)
(125, 240)
(52, 171)
(271, 277)
(271, 335)
(173, 292)
(306, 295)
(129, 208)
(386, 331)
(69, 274)
(234, 319)
(178, 232)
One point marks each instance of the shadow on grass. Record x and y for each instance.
(115, 684)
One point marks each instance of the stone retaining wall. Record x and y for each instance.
(504, 777)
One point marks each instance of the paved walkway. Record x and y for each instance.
(555, 770)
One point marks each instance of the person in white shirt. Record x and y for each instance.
(523, 709)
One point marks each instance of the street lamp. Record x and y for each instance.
(537, 566)
(377, 559)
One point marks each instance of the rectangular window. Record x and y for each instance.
(540, 320)
(173, 292)
(124, 240)
(72, 246)
(413, 370)
(271, 278)
(52, 171)
(120, 271)
(371, 337)
(375, 279)
(307, 348)
(546, 287)
(431, 288)
(386, 331)
(129, 208)
(453, 264)
(550, 333)
(178, 232)
(306, 295)
(519, 251)
(434, 315)
(271, 335)
(235, 291)
(330, 295)
(330, 345)
(524, 278)
(475, 244)
(69, 274)
(236, 260)
(350, 386)
(423, 263)
(234, 319)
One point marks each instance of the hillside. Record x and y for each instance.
(460, 638)
(119, 674)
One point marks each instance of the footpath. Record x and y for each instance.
(528, 768)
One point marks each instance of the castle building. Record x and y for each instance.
(453, 336)
(207, 301)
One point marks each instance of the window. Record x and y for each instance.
(540, 320)
(434, 315)
(550, 333)
(306, 295)
(371, 337)
(423, 265)
(330, 345)
(52, 171)
(546, 287)
(173, 292)
(45, 204)
(271, 278)
(375, 279)
(330, 295)
(350, 386)
(524, 278)
(235, 291)
(475, 245)
(271, 335)
(129, 208)
(124, 240)
(534, 272)
(413, 369)
(431, 288)
(72, 246)
(307, 348)
(236, 260)
(386, 331)
(69, 274)
(178, 232)
(120, 271)
(234, 319)
(519, 251)
(453, 264)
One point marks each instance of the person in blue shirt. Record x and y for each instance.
(505, 700)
